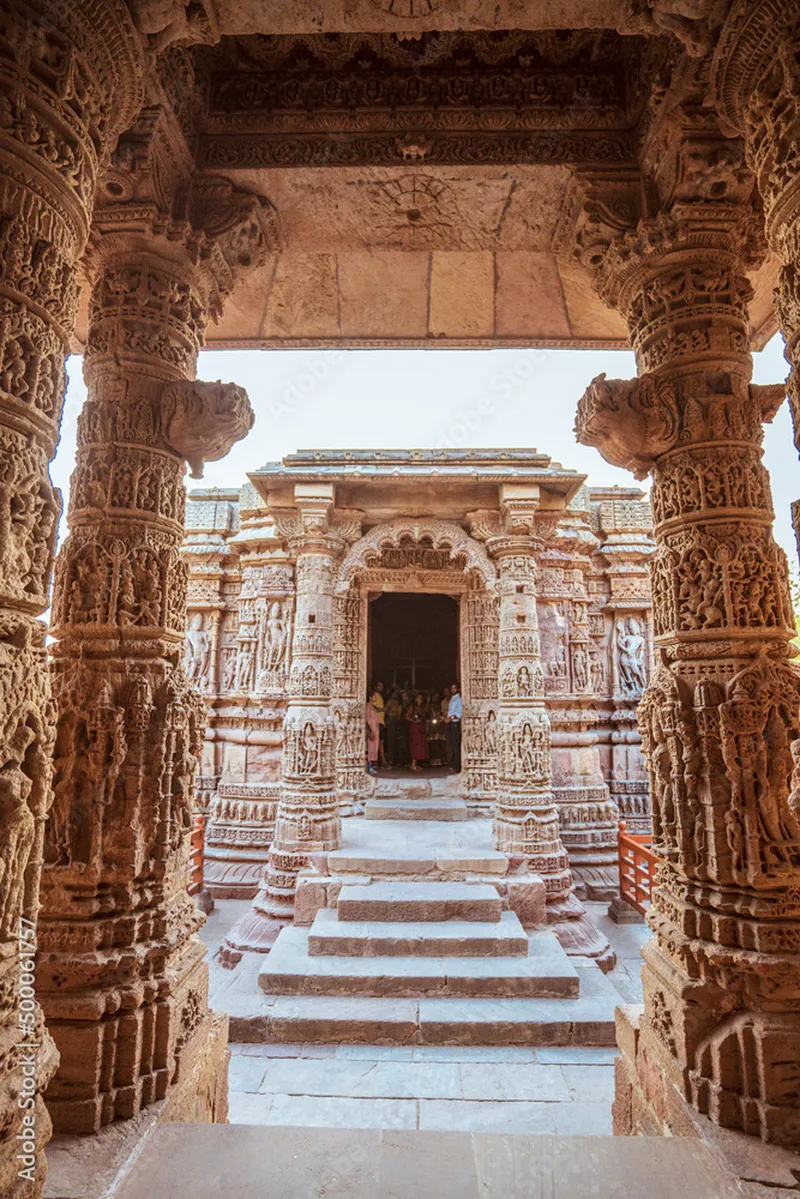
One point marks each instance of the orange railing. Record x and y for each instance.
(196, 855)
(637, 866)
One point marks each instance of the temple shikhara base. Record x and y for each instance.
(384, 174)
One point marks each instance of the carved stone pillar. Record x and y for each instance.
(349, 689)
(756, 83)
(587, 816)
(308, 819)
(70, 79)
(124, 985)
(526, 818)
(721, 1028)
(480, 616)
(621, 626)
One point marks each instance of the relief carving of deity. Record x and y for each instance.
(580, 667)
(630, 656)
(199, 646)
(275, 637)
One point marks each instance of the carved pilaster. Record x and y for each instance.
(130, 724)
(526, 819)
(587, 816)
(70, 79)
(308, 818)
(721, 711)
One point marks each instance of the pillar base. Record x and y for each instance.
(81, 1167)
(646, 1103)
(577, 936)
(255, 932)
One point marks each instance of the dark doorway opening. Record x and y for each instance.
(414, 648)
(413, 642)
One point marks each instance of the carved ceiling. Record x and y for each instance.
(417, 181)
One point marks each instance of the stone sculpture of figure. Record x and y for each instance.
(244, 666)
(597, 669)
(527, 750)
(275, 637)
(198, 650)
(230, 671)
(630, 656)
(580, 667)
(308, 750)
(19, 829)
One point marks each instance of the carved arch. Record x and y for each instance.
(365, 553)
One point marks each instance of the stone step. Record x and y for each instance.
(342, 1019)
(415, 862)
(433, 808)
(416, 901)
(446, 938)
(545, 973)
(204, 1161)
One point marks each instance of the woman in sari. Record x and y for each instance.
(417, 732)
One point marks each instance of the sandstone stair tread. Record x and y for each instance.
(412, 901)
(411, 862)
(436, 807)
(289, 970)
(471, 938)
(321, 1019)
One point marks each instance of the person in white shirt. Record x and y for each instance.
(454, 711)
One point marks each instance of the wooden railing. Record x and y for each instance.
(196, 855)
(637, 864)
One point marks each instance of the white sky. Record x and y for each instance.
(421, 399)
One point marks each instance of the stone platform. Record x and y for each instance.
(419, 933)
(290, 1163)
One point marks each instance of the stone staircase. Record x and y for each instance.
(405, 946)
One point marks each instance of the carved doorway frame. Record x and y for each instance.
(442, 560)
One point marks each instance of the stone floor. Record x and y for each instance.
(513, 1089)
(206, 1161)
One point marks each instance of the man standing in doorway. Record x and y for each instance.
(454, 711)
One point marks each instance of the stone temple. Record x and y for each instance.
(179, 174)
(572, 657)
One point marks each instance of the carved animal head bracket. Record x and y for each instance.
(201, 421)
(630, 421)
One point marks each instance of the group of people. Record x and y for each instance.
(400, 727)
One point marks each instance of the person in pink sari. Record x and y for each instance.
(373, 723)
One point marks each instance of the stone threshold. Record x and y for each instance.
(304, 1163)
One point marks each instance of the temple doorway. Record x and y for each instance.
(414, 651)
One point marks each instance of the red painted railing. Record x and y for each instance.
(196, 855)
(637, 866)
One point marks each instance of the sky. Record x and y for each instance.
(423, 399)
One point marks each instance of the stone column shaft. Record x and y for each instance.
(68, 84)
(718, 719)
(123, 982)
(308, 819)
(526, 818)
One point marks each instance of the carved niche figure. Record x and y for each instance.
(275, 637)
(199, 646)
(580, 667)
(19, 829)
(597, 669)
(308, 750)
(630, 656)
(245, 660)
